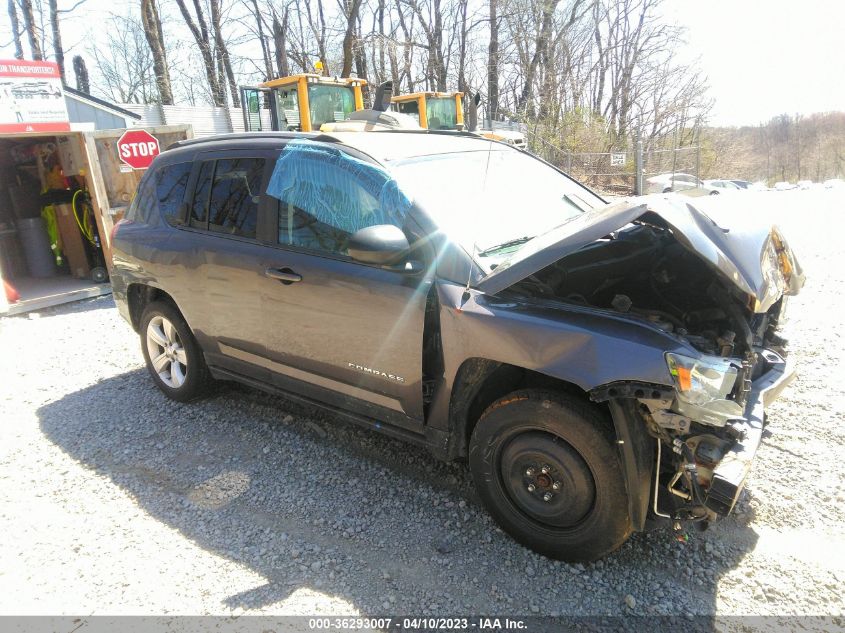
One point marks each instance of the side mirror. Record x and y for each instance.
(382, 244)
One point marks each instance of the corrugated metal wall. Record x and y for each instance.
(205, 120)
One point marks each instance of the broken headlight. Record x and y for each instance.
(703, 385)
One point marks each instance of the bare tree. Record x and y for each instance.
(280, 29)
(125, 63)
(58, 49)
(16, 29)
(493, 62)
(155, 39)
(81, 72)
(199, 31)
(350, 9)
(32, 32)
(223, 54)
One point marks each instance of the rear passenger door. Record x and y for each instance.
(219, 245)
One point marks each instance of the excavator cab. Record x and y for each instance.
(433, 110)
(300, 103)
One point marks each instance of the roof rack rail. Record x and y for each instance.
(235, 136)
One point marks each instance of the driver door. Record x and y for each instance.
(340, 331)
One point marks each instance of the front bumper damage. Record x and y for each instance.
(730, 474)
(681, 481)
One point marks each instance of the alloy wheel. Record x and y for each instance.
(166, 352)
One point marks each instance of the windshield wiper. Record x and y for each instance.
(499, 247)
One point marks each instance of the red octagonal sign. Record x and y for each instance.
(137, 148)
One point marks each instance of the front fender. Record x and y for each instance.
(583, 346)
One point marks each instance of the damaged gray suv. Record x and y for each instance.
(597, 365)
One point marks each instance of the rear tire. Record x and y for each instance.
(173, 357)
(546, 468)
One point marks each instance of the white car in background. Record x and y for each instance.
(723, 185)
(783, 185)
(680, 183)
(834, 183)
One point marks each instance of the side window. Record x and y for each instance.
(171, 182)
(199, 206)
(143, 205)
(410, 108)
(325, 196)
(287, 107)
(235, 195)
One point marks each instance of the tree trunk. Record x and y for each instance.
(280, 42)
(542, 44)
(16, 29)
(199, 30)
(81, 72)
(31, 32)
(155, 39)
(265, 47)
(353, 7)
(58, 49)
(223, 51)
(493, 63)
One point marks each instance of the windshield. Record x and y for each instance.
(329, 103)
(492, 202)
(441, 113)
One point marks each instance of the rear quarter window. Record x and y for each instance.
(160, 192)
(171, 182)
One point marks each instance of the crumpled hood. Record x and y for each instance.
(752, 259)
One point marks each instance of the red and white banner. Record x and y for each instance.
(31, 97)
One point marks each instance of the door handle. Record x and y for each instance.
(285, 275)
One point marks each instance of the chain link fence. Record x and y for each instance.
(623, 171)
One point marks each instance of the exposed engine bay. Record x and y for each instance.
(643, 271)
(702, 443)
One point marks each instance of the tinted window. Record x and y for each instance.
(199, 207)
(235, 196)
(144, 202)
(171, 182)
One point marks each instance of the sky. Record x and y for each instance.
(762, 57)
(767, 57)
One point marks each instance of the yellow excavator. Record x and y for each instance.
(445, 111)
(433, 110)
(302, 103)
(310, 102)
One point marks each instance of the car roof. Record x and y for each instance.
(389, 146)
(384, 146)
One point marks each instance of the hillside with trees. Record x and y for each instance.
(583, 75)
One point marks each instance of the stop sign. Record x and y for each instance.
(137, 148)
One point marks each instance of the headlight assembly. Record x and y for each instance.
(703, 385)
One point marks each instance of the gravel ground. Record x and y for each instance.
(118, 501)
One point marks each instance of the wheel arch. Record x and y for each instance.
(140, 295)
(479, 382)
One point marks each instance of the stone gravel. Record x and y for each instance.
(118, 501)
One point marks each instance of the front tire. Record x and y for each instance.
(546, 468)
(172, 354)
